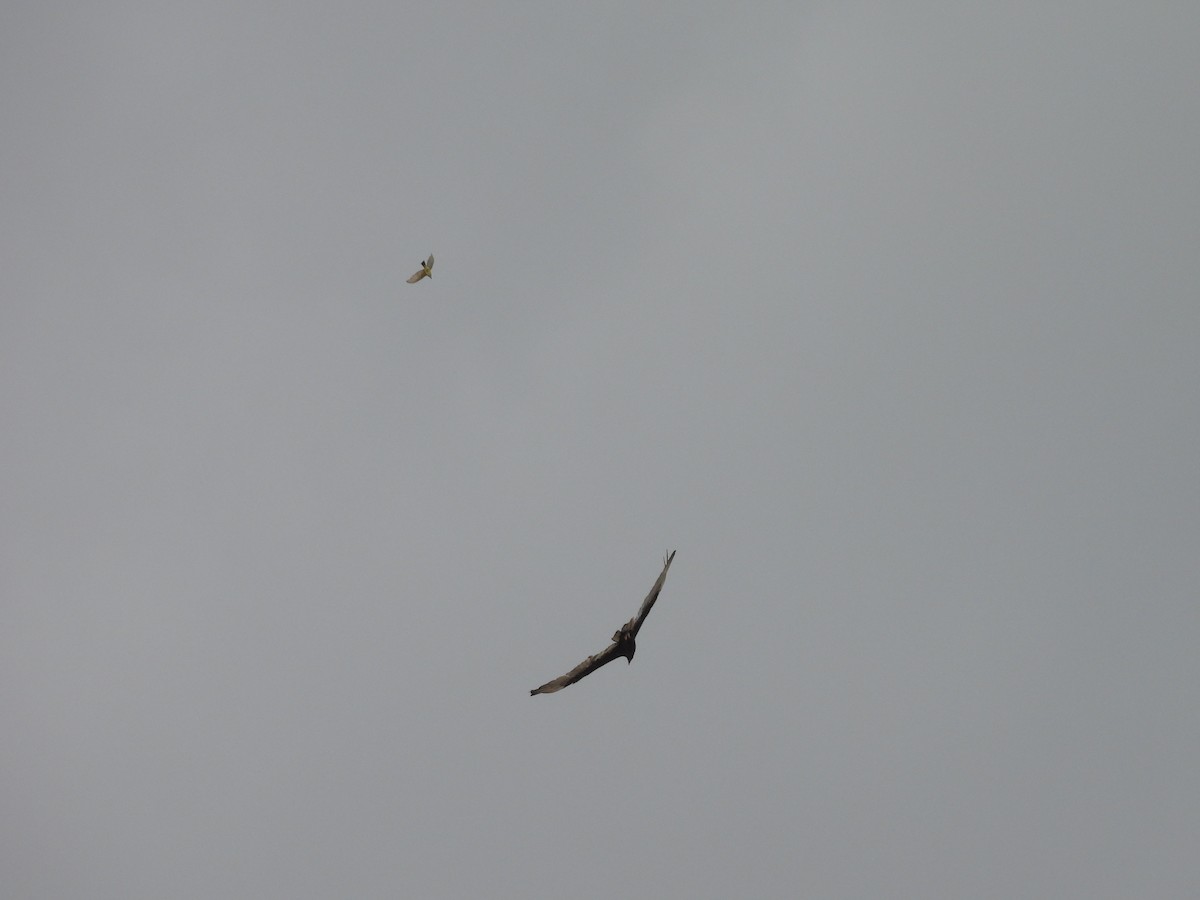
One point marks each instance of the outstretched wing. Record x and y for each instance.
(429, 263)
(634, 624)
(587, 667)
(417, 276)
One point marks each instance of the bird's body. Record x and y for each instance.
(624, 641)
(426, 270)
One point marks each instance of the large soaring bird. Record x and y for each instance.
(622, 645)
(426, 269)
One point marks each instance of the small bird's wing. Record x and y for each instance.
(429, 263)
(587, 667)
(635, 624)
(417, 276)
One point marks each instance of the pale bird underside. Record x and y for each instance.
(426, 270)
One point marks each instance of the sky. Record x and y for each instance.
(884, 316)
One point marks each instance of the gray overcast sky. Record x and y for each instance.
(885, 315)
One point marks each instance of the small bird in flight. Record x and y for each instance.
(426, 269)
(622, 645)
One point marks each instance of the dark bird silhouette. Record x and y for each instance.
(623, 641)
